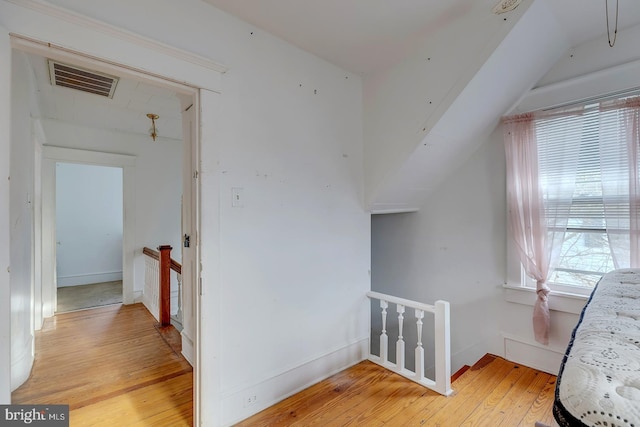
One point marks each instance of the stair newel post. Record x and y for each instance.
(400, 342)
(443, 347)
(384, 339)
(165, 284)
(419, 356)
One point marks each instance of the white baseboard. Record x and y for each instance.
(236, 406)
(21, 364)
(532, 354)
(151, 308)
(187, 348)
(137, 296)
(86, 279)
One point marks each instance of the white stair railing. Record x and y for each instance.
(442, 342)
(151, 297)
(151, 293)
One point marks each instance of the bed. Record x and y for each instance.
(599, 380)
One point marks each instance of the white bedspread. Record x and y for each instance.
(599, 382)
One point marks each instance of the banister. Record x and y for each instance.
(441, 343)
(175, 265)
(165, 265)
(151, 253)
(402, 301)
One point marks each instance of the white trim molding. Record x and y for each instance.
(103, 47)
(122, 34)
(87, 157)
(615, 80)
(240, 404)
(22, 362)
(558, 301)
(51, 155)
(532, 354)
(85, 279)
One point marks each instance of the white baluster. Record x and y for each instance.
(419, 350)
(400, 343)
(384, 339)
(179, 313)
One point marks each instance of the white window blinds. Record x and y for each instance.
(586, 172)
(586, 153)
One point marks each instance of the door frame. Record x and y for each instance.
(52, 51)
(56, 32)
(52, 155)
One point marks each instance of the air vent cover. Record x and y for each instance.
(80, 79)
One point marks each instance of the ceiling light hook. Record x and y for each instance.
(615, 31)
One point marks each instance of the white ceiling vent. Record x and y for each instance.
(80, 79)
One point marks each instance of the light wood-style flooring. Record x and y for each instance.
(113, 367)
(494, 392)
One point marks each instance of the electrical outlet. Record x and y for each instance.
(250, 400)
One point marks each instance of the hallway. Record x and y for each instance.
(112, 366)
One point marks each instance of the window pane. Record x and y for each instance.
(572, 279)
(584, 177)
(584, 257)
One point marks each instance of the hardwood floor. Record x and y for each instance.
(112, 367)
(115, 367)
(493, 392)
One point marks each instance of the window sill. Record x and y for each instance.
(558, 301)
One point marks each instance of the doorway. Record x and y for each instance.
(89, 224)
(62, 146)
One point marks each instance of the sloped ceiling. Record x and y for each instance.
(364, 36)
(422, 121)
(427, 67)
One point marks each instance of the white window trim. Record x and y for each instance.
(516, 290)
(558, 301)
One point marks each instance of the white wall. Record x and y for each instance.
(294, 260)
(455, 248)
(594, 56)
(21, 214)
(5, 289)
(404, 102)
(452, 249)
(158, 182)
(88, 224)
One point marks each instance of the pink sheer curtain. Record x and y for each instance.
(625, 247)
(526, 212)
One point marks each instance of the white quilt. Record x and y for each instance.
(599, 381)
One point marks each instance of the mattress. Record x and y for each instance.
(599, 379)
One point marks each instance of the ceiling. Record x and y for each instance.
(125, 112)
(361, 36)
(364, 36)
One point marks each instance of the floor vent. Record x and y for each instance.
(80, 79)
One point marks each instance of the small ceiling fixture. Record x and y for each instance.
(153, 130)
(615, 31)
(504, 6)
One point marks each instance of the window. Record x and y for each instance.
(584, 175)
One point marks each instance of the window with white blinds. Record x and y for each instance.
(584, 176)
